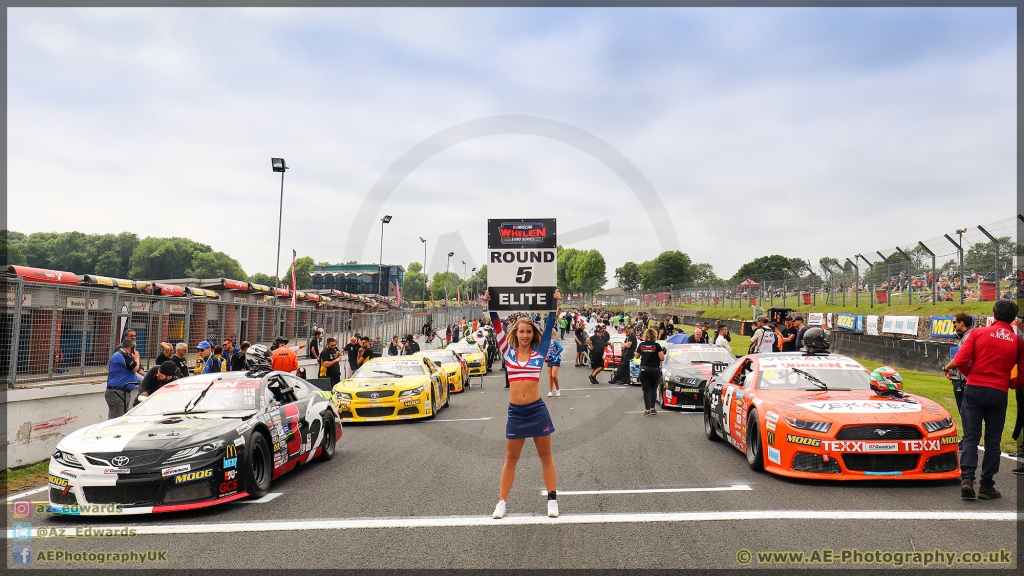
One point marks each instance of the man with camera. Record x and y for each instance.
(122, 376)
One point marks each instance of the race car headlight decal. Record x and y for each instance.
(413, 392)
(342, 396)
(67, 459)
(808, 425)
(194, 451)
(937, 425)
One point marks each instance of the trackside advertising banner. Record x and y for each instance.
(900, 325)
(942, 327)
(846, 321)
(522, 264)
(871, 325)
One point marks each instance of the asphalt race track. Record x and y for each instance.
(634, 492)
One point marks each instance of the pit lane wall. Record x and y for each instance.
(37, 418)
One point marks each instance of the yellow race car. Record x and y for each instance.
(452, 366)
(473, 354)
(392, 388)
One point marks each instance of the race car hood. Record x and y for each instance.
(698, 371)
(362, 384)
(849, 407)
(163, 432)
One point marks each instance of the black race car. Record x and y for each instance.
(194, 443)
(686, 371)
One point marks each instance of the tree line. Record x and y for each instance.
(121, 255)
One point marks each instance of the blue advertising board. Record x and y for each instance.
(846, 321)
(942, 327)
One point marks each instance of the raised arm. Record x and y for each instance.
(545, 338)
(499, 332)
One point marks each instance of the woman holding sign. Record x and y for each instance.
(523, 350)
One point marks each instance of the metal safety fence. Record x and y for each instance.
(978, 264)
(50, 332)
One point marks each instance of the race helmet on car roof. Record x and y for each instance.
(886, 381)
(257, 357)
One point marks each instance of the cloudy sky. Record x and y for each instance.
(804, 132)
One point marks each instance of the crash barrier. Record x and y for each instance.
(54, 332)
(919, 355)
(905, 350)
(38, 418)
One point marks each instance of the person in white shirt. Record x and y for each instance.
(721, 340)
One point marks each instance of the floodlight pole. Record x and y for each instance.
(935, 276)
(960, 251)
(910, 275)
(856, 280)
(888, 296)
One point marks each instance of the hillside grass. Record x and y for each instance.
(934, 387)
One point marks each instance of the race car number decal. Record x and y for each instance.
(726, 406)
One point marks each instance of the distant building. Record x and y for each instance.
(359, 278)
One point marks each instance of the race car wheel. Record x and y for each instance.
(755, 457)
(709, 425)
(447, 399)
(329, 440)
(433, 406)
(259, 469)
(661, 396)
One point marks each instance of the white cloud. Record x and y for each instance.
(176, 113)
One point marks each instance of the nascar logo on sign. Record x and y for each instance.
(522, 267)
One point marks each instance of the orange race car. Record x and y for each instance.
(825, 416)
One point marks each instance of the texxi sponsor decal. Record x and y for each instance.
(861, 406)
(176, 470)
(193, 476)
(794, 439)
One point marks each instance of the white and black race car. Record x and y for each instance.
(687, 370)
(195, 442)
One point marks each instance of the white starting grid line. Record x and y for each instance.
(733, 488)
(487, 521)
(1006, 455)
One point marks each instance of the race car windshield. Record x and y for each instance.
(467, 350)
(390, 370)
(686, 358)
(783, 378)
(224, 396)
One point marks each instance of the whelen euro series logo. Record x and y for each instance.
(523, 232)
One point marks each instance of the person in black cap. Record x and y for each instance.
(157, 377)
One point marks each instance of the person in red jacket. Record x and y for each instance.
(987, 358)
